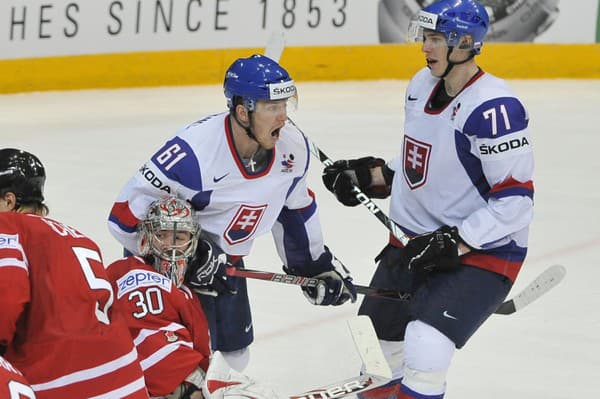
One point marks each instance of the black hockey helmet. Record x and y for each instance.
(23, 174)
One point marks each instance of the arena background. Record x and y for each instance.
(80, 44)
(92, 141)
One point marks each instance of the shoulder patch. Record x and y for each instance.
(497, 117)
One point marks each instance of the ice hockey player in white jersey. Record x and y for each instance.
(462, 188)
(244, 172)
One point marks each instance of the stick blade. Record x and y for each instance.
(367, 345)
(538, 287)
(342, 389)
(377, 372)
(275, 46)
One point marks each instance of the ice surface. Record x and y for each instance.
(92, 141)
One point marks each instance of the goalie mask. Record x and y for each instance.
(169, 236)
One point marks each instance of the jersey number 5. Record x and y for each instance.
(84, 255)
(20, 391)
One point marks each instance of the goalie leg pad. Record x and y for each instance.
(222, 382)
(393, 351)
(394, 355)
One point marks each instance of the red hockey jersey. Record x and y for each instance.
(12, 383)
(167, 323)
(57, 319)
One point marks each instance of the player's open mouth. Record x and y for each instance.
(275, 133)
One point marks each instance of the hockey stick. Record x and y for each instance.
(367, 344)
(273, 50)
(538, 287)
(543, 283)
(310, 282)
(275, 46)
(547, 280)
(360, 196)
(377, 371)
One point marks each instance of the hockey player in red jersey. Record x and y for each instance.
(57, 324)
(12, 383)
(462, 188)
(165, 317)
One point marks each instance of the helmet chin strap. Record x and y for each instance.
(248, 128)
(452, 64)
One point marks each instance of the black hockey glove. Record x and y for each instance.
(336, 283)
(437, 250)
(342, 175)
(206, 271)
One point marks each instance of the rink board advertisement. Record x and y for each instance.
(35, 28)
(47, 44)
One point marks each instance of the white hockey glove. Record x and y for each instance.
(336, 283)
(222, 382)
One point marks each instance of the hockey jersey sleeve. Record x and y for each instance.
(297, 231)
(499, 139)
(172, 170)
(14, 280)
(12, 383)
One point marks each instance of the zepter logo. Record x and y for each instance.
(510, 20)
(10, 241)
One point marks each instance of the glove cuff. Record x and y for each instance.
(313, 267)
(365, 178)
(388, 174)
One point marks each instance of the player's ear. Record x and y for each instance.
(9, 201)
(242, 113)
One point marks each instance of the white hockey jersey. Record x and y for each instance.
(468, 165)
(200, 164)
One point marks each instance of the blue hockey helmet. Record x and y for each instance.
(257, 78)
(455, 19)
